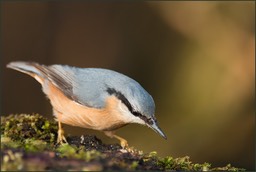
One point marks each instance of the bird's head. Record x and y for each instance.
(137, 105)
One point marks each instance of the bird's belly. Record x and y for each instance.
(90, 120)
(72, 113)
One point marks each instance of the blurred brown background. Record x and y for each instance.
(195, 58)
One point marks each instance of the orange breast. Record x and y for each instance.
(73, 113)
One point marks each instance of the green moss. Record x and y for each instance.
(71, 151)
(184, 164)
(29, 145)
(7, 142)
(228, 167)
(23, 126)
(67, 150)
(134, 165)
(33, 145)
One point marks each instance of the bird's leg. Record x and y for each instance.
(123, 142)
(111, 134)
(61, 136)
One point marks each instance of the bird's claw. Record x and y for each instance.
(61, 138)
(124, 143)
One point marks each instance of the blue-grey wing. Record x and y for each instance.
(91, 85)
(77, 84)
(88, 89)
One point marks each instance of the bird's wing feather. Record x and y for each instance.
(89, 86)
(79, 85)
(58, 77)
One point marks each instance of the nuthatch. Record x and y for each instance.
(93, 98)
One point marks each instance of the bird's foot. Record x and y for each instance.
(61, 138)
(123, 142)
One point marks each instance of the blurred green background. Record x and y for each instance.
(197, 59)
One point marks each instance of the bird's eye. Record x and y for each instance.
(150, 121)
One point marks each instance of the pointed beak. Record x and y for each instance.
(157, 129)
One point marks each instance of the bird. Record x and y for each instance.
(93, 98)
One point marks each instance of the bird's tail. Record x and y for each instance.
(30, 68)
(24, 67)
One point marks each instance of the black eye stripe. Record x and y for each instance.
(149, 121)
(120, 96)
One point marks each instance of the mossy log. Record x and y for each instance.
(28, 143)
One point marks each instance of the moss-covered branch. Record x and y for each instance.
(28, 143)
